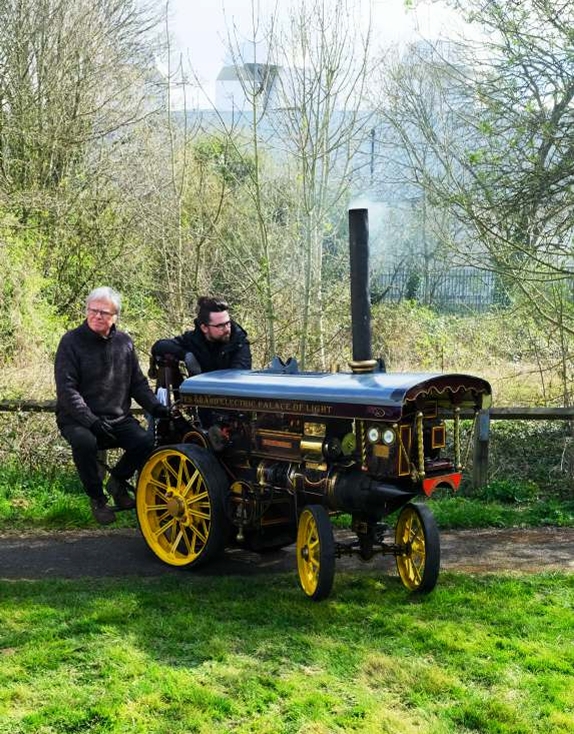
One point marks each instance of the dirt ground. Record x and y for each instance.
(118, 553)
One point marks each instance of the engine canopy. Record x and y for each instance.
(377, 395)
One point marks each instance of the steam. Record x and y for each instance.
(378, 215)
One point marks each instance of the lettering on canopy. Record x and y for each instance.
(278, 406)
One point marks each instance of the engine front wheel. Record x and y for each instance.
(417, 533)
(315, 552)
(180, 505)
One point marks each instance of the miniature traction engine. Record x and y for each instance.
(266, 458)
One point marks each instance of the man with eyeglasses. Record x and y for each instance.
(216, 343)
(97, 374)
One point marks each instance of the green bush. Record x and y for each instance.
(531, 456)
(465, 512)
(508, 492)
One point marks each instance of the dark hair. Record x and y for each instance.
(207, 305)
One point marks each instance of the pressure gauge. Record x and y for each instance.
(373, 434)
(388, 436)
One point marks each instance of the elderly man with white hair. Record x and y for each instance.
(97, 374)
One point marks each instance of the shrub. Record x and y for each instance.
(508, 491)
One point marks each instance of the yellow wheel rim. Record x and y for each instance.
(308, 552)
(174, 508)
(410, 532)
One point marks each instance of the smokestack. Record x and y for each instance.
(360, 300)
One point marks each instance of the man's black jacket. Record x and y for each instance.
(97, 377)
(234, 354)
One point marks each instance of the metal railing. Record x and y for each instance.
(455, 290)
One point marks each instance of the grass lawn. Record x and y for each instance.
(208, 654)
(198, 653)
(35, 500)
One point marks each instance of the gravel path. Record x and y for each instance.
(117, 553)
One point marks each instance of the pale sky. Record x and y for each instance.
(199, 28)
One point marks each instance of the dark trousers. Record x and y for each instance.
(128, 435)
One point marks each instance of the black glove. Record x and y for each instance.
(162, 412)
(152, 372)
(193, 366)
(103, 429)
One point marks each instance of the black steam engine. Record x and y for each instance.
(266, 458)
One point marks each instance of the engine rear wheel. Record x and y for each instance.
(180, 505)
(417, 531)
(315, 552)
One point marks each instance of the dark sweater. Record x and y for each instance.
(234, 354)
(97, 377)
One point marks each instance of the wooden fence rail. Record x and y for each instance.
(481, 434)
(27, 406)
(524, 413)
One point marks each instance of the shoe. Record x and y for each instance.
(117, 490)
(101, 512)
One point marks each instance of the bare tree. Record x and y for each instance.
(501, 153)
(499, 156)
(322, 125)
(75, 78)
(304, 100)
(418, 130)
(255, 76)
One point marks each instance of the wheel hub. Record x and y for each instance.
(176, 507)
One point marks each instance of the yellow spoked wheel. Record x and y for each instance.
(417, 533)
(180, 505)
(315, 552)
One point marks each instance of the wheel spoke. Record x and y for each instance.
(178, 537)
(190, 482)
(198, 515)
(199, 534)
(160, 488)
(188, 539)
(415, 574)
(181, 470)
(153, 511)
(169, 470)
(203, 496)
(418, 545)
(162, 529)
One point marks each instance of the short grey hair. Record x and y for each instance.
(105, 293)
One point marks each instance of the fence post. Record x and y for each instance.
(480, 450)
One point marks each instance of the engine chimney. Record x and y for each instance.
(360, 299)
